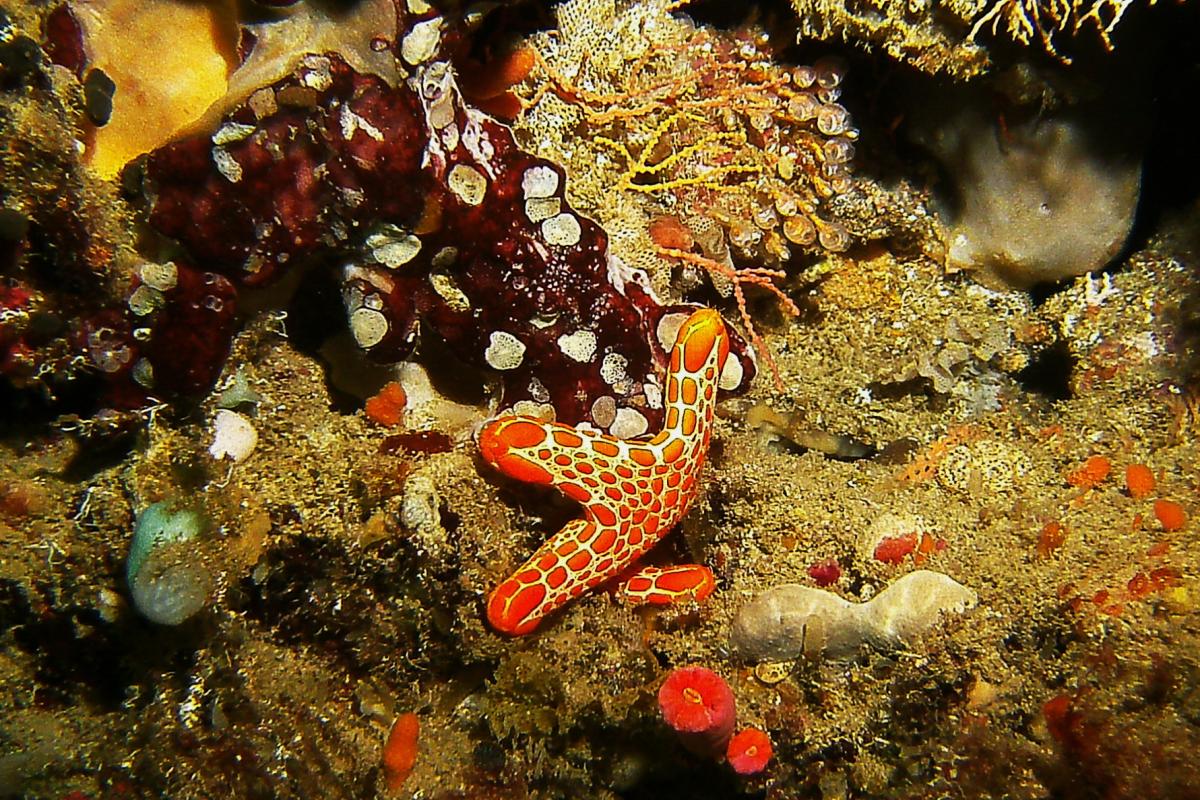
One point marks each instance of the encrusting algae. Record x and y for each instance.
(291, 361)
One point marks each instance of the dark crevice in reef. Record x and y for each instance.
(1171, 177)
(315, 309)
(80, 658)
(101, 454)
(694, 779)
(315, 316)
(317, 327)
(1187, 330)
(22, 410)
(1040, 293)
(776, 16)
(452, 378)
(312, 593)
(1049, 373)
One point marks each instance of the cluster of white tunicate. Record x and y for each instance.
(810, 145)
(153, 281)
(108, 351)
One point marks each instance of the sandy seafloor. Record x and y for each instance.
(1076, 674)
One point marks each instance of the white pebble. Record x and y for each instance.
(234, 437)
(629, 423)
(539, 181)
(467, 183)
(579, 346)
(504, 351)
(562, 230)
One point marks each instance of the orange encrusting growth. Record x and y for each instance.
(1170, 515)
(387, 407)
(633, 491)
(1139, 481)
(488, 84)
(1051, 538)
(1091, 474)
(400, 752)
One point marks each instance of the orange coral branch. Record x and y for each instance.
(756, 276)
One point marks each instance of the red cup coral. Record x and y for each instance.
(749, 751)
(699, 705)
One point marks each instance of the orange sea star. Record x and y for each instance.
(632, 491)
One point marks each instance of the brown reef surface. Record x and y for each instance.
(350, 560)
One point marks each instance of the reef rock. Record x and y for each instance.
(441, 223)
(339, 140)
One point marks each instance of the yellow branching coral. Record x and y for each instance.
(642, 176)
(1027, 20)
(775, 144)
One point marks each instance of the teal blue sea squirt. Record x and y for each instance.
(168, 585)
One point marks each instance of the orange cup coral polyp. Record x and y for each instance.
(400, 751)
(1139, 481)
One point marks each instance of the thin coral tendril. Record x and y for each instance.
(757, 276)
(711, 178)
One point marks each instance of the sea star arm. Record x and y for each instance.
(660, 586)
(546, 581)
